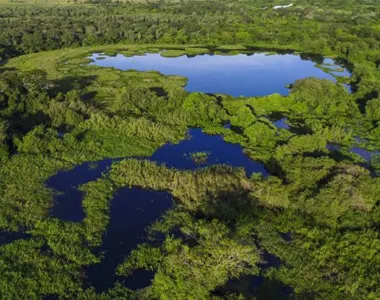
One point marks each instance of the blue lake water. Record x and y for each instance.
(363, 153)
(257, 74)
(134, 209)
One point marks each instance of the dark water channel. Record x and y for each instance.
(68, 201)
(363, 153)
(9, 237)
(134, 209)
(255, 74)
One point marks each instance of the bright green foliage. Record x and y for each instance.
(144, 257)
(96, 203)
(200, 157)
(243, 118)
(119, 292)
(66, 240)
(307, 181)
(318, 211)
(271, 192)
(194, 189)
(352, 188)
(306, 172)
(319, 261)
(302, 144)
(272, 103)
(172, 53)
(335, 134)
(261, 134)
(322, 98)
(203, 108)
(375, 163)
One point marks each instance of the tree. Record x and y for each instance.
(191, 268)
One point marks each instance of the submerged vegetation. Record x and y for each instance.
(309, 230)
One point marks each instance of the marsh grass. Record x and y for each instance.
(172, 53)
(200, 157)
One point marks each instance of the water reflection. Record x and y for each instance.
(258, 74)
(7, 237)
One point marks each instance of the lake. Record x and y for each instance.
(255, 74)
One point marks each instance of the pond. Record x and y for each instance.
(256, 74)
(218, 151)
(282, 124)
(68, 200)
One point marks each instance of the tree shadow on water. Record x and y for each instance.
(10, 237)
(258, 288)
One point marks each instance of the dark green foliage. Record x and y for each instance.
(318, 211)
(373, 109)
(31, 272)
(191, 269)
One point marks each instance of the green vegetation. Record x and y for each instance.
(200, 157)
(185, 51)
(172, 53)
(318, 212)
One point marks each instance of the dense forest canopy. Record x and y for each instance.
(340, 26)
(308, 230)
